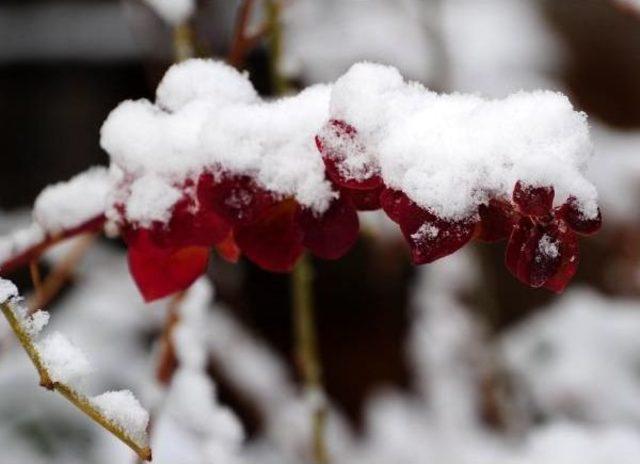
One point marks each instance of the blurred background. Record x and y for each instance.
(454, 362)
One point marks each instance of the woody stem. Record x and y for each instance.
(307, 354)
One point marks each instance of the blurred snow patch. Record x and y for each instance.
(322, 39)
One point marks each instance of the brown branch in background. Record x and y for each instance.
(47, 290)
(36, 279)
(243, 41)
(24, 257)
(168, 361)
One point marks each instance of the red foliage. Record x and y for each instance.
(162, 271)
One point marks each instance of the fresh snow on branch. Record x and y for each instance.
(66, 205)
(64, 367)
(451, 153)
(448, 153)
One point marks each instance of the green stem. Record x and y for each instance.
(274, 27)
(79, 400)
(183, 48)
(307, 353)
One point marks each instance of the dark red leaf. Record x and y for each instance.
(337, 148)
(274, 241)
(497, 219)
(332, 234)
(191, 226)
(228, 249)
(569, 265)
(430, 237)
(394, 202)
(363, 200)
(571, 213)
(236, 199)
(542, 254)
(160, 272)
(533, 201)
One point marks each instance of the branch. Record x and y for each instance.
(183, 47)
(243, 41)
(47, 290)
(307, 353)
(82, 402)
(23, 256)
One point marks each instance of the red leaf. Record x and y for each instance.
(430, 237)
(363, 200)
(533, 201)
(274, 241)
(497, 219)
(332, 234)
(228, 249)
(337, 149)
(190, 226)
(542, 254)
(160, 272)
(394, 202)
(516, 245)
(571, 213)
(236, 199)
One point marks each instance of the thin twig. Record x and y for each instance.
(27, 255)
(273, 9)
(79, 400)
(307, 353)
(168, 361)
(48, 289)
(238, 49)
(36, 278)
(183, 47)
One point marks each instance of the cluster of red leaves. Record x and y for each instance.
(236, 216)
(542, 248)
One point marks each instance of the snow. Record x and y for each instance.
(207, 116)
(19, 241)
(321, 39)
(274, 143)
(65, 362)
(151, 199)
(615, 171)
(190, 408)
(8, 290)
(449, 153)
(124, 410)
(548, 247)
(174, 12)
(497, 47)
(66, 205)
(583, 336)
(34, 323)
(198, 79)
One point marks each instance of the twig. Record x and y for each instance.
(167, 361)
(183, 47)
(36, 279)
(47, 290)
(307, 353)
(26, 256)
(77, 399)
(243, 41)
